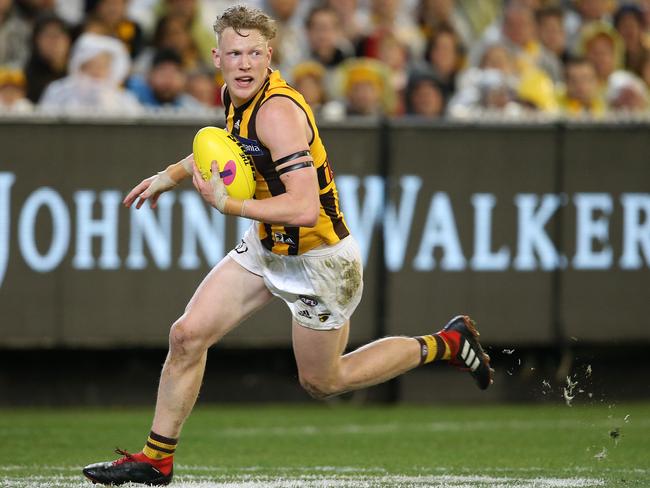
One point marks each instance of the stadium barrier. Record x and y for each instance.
(541, 231)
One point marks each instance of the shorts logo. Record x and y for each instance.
(304, 313)
(284, 238)
(312, 302)
(323, 317)
(241, 248)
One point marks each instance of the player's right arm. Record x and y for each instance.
(157, 184)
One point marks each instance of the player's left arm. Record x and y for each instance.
(282, 127)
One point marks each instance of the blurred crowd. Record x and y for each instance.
(457, 59)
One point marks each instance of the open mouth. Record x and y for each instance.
(244, 81)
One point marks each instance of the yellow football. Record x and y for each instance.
(235, 166)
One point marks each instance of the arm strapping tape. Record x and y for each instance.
(294, 167)
(291, 157)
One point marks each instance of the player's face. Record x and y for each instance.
(244, 59)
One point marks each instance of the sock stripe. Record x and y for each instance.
(162, 439)
(155, 444)
(155, 454)
(432, 346)
(429, 348)
(441, 347)
(156, 447)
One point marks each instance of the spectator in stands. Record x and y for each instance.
(424, 96)
(14, 35)
(289, 42)
(493, 93)
(501, 84)
(108, 18)
(517, 32)
(164, 86)
(98, 67)
(171, 33)
(499, 57)
(550, 29)
(445, 56)
(466, 100)
(603, 47)
(585, 12)
(582, 95)
(325, 38)
(352, 19)
(387, 17)
(366, 88)
(12, 91)
(432, 15)
(309, 78)
(190, 12)
(201, 85)
(50, 49)
(394, 54)
(626, 93)
(629, 23)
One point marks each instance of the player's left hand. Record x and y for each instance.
(212, 191)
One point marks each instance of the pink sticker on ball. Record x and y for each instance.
(230, 170)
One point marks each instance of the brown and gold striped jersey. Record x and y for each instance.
(283, 239)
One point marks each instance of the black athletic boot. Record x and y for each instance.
(466, 351)
(131, 468)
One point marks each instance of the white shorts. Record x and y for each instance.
(322, 287)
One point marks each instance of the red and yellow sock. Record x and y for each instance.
(160, 450)
(441, 346)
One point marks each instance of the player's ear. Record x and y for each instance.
(216, 57)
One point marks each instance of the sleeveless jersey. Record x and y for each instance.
(282, 239)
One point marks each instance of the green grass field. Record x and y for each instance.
(346, 446)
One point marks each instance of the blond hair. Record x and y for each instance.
(240, 17)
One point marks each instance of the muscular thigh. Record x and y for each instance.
(225, 297)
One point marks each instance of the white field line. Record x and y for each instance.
(313, 481)
(338, 470)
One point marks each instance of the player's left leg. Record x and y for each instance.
(324, 371)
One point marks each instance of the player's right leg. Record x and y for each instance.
(227, 295)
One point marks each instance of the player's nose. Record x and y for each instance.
(245, 62)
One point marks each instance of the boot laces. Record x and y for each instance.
(127, 457)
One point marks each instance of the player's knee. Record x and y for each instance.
(186, 340)
(319, 388)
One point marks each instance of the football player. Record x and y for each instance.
(299, 249)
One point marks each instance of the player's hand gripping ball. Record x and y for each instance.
(236, 168)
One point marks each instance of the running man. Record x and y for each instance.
(298, 249)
